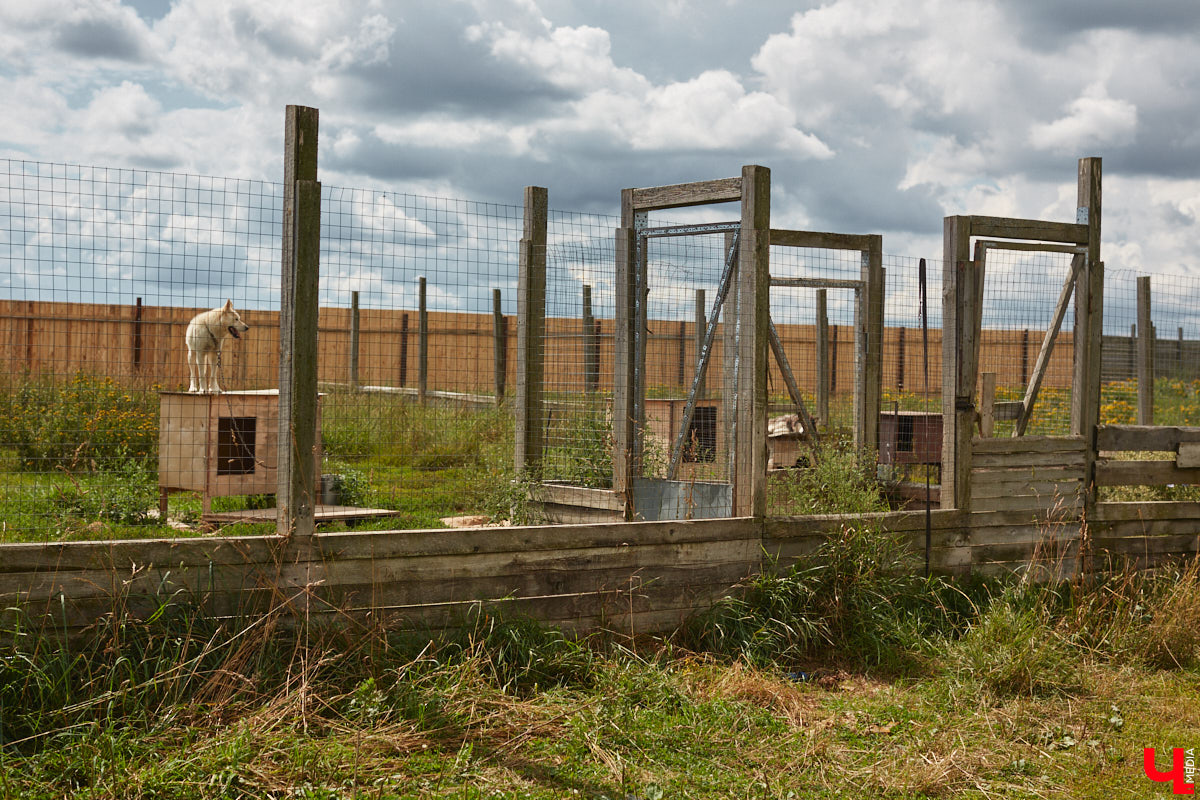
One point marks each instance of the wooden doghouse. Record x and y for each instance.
(220, 444)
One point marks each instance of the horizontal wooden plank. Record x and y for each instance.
(383, 544)
(555, 514)
(1028, 444)
(124, 555)
(1143, 473)
(897, 521)
(1164, 509)
(1144, 437)
(723, 190)
(1061, 458)
(1036, 504)
(1169, 544)
(461, 566)
(822, 240)
(580, 496)
(1148, 527)
(816, 283)
(1034, 229)
(1046, 492)
(1047, 517)
(674, 581)
(1018, 475)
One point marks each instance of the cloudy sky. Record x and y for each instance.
(875, 116)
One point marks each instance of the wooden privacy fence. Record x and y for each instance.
(627, 577)
(142, 344)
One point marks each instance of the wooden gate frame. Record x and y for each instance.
(962, 306)
(753, 285)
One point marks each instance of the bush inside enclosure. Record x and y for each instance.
(86, 423)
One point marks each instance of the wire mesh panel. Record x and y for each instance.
(1166, 363)
(101, 271)
(1022, 290)
(578, 350)
(689, 421)
(417, 328)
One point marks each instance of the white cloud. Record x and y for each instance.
(1093, 120)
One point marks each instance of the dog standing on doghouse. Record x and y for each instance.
(205, 335)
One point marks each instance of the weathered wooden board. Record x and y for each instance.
(1142, 473)
(1144, 437)
(723, 190)
(1029, 444)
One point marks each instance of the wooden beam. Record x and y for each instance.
(958, 412)
(871, 331)
(820, 240)
(301, 249)
(1089, 321)
(724, 190)
(754, 317)
(1144, 438)
(987, 406)
(531, 327)
(499, 348)
(822, 358)
(1145, 352)
(624, 380)
(1032, 229)
(1143, 473)
(816, 283)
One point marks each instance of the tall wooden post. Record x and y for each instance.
(754, 319)
(591, 347)
(298, 329)
(868, 336)
(958, 376)
(701, 326)
(499, 347)
(625, 383)
(354, 340)
(1145, 350)
(729, 368)
(1089, 320)
(531, 326)
(823, 363)
(422, 342)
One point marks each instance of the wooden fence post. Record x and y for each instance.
(137, 336)
(1145, 349)
(729, 368)
(499, 347)
(754, 319)
(958, 382)
(823, 361)
(1089, 321)
(869, 338)
(422, 342)
(298, 330)
(354, 340)
(404, 349)
(591, 347)
(624, 353)
(701, 326)
(531, 327)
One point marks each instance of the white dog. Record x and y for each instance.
(205, 335)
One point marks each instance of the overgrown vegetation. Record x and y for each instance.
(902, 687)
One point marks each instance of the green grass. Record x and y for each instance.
(1011, 690)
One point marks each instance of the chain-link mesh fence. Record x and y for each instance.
(101, 271)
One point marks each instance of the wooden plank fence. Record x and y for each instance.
(143, 345)
(628, 577)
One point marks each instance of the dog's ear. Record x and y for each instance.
(228, 305)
